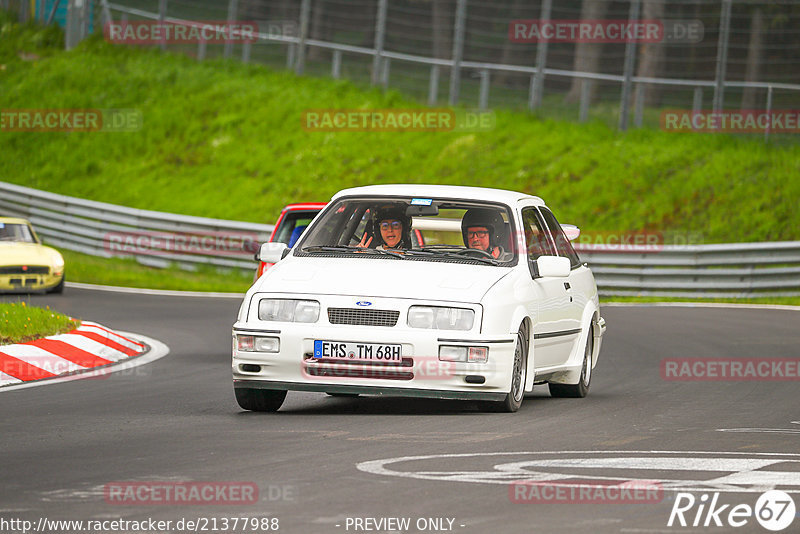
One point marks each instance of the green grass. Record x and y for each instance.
(223, 139)
(128, 273)
(20, 323)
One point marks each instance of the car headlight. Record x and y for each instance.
(441, 318)
(247, 343)
(288, 310)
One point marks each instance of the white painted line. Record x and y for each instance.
(7, 379)
(749, 473)
(90, 345)
(157, 351)
(157, 292)
(41, 358)
(699, 305)
(97, 329)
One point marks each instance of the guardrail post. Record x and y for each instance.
(433, 86)
(77, 22)
(458, 51)
(722, 55)
(638, 109)
(385, 72)
(233, 7)
(697, 100)
(586, 95)
(336, 64)
(630, 60)
(769, 113)
(537, 84)
(380, 35)
(246, 48)
(305, 15)
(162, 15)
(483, 98)
(201, 50)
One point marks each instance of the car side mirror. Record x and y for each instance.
(272, 252)
(552, 266)
(571, 231)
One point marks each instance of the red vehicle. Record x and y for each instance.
(293, 220)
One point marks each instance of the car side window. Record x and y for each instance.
(537, 241)
(563, 245)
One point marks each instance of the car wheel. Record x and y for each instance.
(260, 400)
(580, 389)
(59, 288)
(514, 398)
(346, 395)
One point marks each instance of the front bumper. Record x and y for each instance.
(28, 282)
(420, 374)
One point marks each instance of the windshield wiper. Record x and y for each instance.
(427, 251)
(332, 248)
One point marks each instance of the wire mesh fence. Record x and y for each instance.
(705, 55)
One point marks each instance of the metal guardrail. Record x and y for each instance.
(90, 227)
(724, 270)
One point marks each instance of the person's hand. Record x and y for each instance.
(364, 243)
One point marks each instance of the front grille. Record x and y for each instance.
(25, 269)
(363, 317)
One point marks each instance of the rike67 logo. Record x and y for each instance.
(774, 510)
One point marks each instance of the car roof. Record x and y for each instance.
(305, 206)
(13, 220)
(441, 191)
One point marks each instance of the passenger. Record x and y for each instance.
(483, 229)
(393, 226)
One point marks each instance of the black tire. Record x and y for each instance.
(516, 395)
(260, 400)
(581, 389)
(59, 288)
(345, 395)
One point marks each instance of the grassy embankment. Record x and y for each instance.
(223, 139)
(20, 323)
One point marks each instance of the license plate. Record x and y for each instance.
(365, 352)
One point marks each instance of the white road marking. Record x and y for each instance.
(157, 292)
(717, 471)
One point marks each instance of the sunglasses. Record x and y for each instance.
(477, 233)
(394, 225)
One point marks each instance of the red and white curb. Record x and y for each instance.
(88, 346)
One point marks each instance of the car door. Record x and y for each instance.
(579, 284)
(553, 331)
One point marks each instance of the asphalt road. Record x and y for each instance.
(323, 463)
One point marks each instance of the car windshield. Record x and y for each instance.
(20, 233)
(419, 229)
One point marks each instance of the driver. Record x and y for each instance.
(392, 225)
(482, 229)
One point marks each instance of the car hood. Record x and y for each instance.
(363, 277)
(27, 254)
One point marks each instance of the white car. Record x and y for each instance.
(496, 301)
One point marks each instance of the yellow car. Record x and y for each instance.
(25, 264)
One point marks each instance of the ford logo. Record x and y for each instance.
(363, 303)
